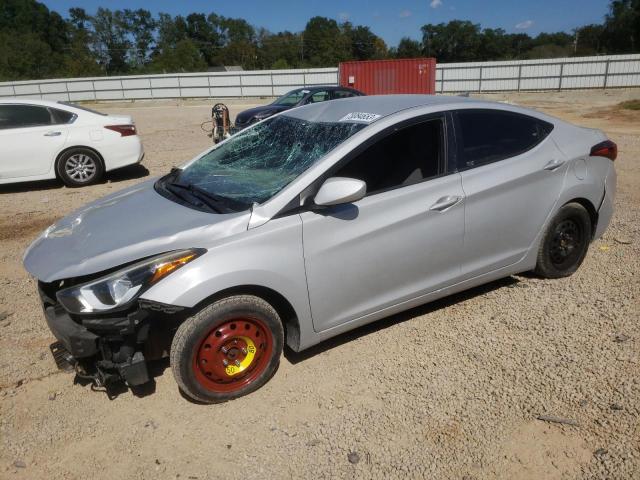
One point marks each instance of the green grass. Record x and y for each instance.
(630, 105)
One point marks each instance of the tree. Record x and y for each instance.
(408, 48)
(239, 41)
(36, 42)
(185, 56)
(622, 26)
(111, 40)
(279, 50)
(365, 45)
(141, 26)
(589, 40)
(33, 40)
(457, 40)
(204, 32)
(81, 60)
(324, 43)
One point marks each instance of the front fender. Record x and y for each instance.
(269, 256)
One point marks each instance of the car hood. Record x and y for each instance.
(123, 227)
(246, 115)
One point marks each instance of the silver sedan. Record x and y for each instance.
(312, 223)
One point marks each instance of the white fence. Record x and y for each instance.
(556, 74)
(262, 83)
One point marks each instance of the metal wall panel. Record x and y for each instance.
(226, 91)
(136, 83)
(164, 82)
(79, 86)
(542, 74)
(254, 80)
(224, 81)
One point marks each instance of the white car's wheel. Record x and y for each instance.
(79, 167)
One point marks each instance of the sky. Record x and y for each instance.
(391, 20)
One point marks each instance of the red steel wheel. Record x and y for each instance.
(228, 349)
(233, 354)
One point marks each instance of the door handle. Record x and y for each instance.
(445, 203)
(53, 134)
(554, 165)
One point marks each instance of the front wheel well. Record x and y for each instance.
(284, 308)
(593, 213)
(55, 166)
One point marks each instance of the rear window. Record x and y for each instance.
(488, 136)
(80, 107)
(20, 116)
(61, 116)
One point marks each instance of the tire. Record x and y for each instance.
(248, 328)
(78, 167)
(565, 242)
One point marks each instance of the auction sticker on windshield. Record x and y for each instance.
(360, 117)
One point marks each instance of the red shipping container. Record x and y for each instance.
(383, 77)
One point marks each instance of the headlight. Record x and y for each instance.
(117, 289)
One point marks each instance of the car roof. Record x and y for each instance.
(43, 103)
(317, 88)
(378, 106)
(30, 101)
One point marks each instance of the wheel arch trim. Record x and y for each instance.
(279, 302)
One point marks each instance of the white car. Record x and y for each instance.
(42, 140)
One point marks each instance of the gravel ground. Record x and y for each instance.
(449, 390)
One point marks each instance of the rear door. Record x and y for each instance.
(512, 176)
(30, 138)
(403, 240)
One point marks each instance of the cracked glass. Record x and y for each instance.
(258, 162)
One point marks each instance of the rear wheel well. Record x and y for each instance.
(285, 310)
(593, 213)
(55, 167)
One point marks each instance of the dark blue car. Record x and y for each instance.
(294, 98)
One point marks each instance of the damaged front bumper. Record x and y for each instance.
(110, 348)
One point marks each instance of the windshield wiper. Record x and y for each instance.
(211, 201)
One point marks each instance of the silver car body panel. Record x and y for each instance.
(123, 227)
(355, 263)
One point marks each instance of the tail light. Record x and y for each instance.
(123, 130)
(606, 149)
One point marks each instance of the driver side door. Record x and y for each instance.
(400, 242)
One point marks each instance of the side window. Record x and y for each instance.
(338, 94)
(20, 116)
(318, 97)
(487, 136)
(61, 116)
(402, 158)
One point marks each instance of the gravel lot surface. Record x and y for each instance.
(449, 390)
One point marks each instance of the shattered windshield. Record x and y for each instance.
(258, 162)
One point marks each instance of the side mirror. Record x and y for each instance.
(339, 190)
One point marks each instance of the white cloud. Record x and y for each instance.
(405, 13)
(435, 3)
(344, 16)
(524, 25)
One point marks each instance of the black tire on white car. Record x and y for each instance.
(78, 167)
